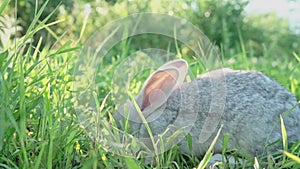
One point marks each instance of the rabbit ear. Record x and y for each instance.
(180, 65)
(160, 85)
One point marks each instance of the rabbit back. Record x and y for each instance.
(254, 103)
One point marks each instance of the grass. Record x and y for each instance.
(39, 126)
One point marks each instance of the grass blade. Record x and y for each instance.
(296, 56)
(292, 156)
(22, 110)
(37, 162)
(131, 163)
(136, 106)
(256, 164)
(3, 55)
(284, 135)
(3, 6)
(208, 153)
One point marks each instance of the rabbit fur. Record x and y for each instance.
(250, 110)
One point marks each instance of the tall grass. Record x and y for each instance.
(38, 123)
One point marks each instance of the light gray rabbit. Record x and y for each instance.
(247, 103)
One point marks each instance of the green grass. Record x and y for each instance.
(39, 127)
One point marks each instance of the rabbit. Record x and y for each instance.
(248, 105)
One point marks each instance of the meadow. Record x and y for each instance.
(39, 125)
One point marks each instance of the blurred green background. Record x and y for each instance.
(224, 22)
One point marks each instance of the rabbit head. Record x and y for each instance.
(153, 96)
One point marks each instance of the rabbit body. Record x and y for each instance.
(247, 103)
